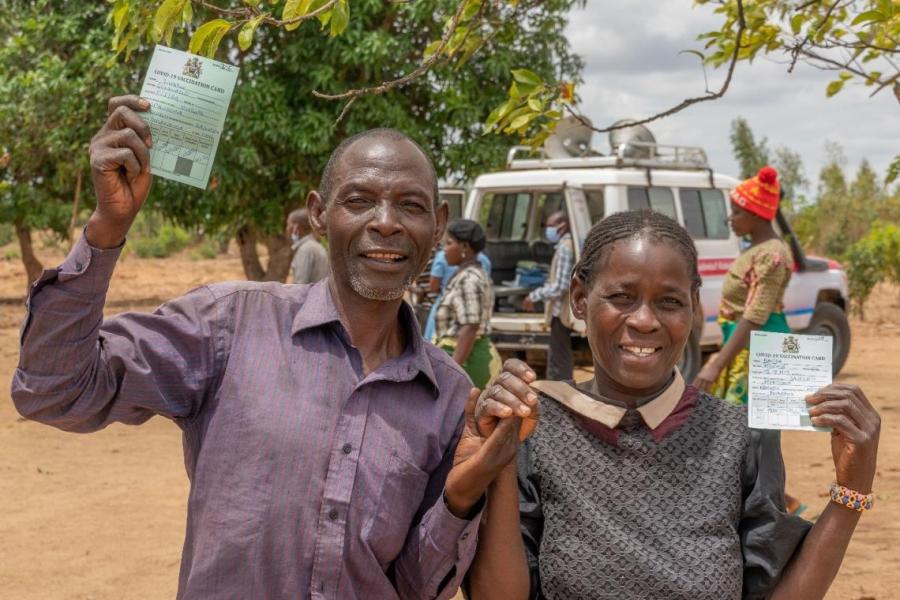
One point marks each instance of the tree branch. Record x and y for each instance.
(352, 95)
(795, 52)
(688, 101)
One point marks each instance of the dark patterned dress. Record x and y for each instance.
(693, 509)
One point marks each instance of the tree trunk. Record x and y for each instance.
(280, 256)
(279, 264)
(33, 266)
(246, 241)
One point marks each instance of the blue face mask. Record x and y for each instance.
(295, 238)
(552, 234)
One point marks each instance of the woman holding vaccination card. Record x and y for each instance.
(637, 485)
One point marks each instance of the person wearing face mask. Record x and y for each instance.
(555, 296)
(310, 262)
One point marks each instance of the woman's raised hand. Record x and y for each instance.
(509, 395)
(855, 427)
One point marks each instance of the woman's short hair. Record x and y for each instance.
(466, 230)
(631, 224)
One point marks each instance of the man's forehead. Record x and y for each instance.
(386, 153)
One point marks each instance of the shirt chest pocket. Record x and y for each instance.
(399, 499)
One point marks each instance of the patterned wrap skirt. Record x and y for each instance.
(732, 384)
(483, 363)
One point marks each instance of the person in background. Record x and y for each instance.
(637, 485)
(463, 316)
(752, 293)
(753, 290)
(310, 262)
(555, 296)
(440, 274)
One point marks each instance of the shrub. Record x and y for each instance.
(7, 233)
(206, 250)
(874, 258)
(167, 240)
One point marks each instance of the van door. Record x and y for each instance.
(579, 225)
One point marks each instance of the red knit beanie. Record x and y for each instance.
(759, 194)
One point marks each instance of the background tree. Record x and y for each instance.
(751, 156)
(279, 135)
(54, 82)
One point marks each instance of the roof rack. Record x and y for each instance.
(664, 156)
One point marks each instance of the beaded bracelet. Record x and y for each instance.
(851, 498)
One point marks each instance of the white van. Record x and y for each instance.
(513, 205)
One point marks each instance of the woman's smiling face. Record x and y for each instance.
(639, 310)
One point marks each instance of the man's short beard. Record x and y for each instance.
(382, 294)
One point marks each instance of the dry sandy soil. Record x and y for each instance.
(102, 516)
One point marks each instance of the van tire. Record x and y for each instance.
(830, 319)
(691, 358)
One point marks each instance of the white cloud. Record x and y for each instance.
(633, 69)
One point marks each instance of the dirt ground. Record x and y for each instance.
(102, 516)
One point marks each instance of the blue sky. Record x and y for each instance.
(633, 69)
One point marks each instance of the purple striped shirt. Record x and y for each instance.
(309, 478)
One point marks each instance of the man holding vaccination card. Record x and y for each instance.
(332, 453)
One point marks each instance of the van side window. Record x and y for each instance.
(505, 216)
(659, 199)
(595, 204)
(704, 213)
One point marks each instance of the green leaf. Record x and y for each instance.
(834, 87)
(497, 114)
(471, 9)
(165, 17)
(206, 39)
(521, 121)
(867, 17)
(187, 15)
(252, 3)
(245, 37)
(695, 53)
(431, 48)
(797, 22)
(293, 9)
(536, 104)
(340, 17)
(527, 77)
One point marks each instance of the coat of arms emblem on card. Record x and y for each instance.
(790, 345)
(193, 68)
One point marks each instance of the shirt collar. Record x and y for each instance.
(319, 309)
(605, 411)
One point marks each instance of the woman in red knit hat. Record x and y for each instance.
(753, 290)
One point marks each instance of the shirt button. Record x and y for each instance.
(464, 536)
(333, 514)
(79, 266)
(347, 448)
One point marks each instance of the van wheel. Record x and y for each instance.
(829, 319)
(691, 358)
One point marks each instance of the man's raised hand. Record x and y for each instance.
(120, 168)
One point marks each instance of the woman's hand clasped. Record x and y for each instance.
(855, 428)
(509, 395)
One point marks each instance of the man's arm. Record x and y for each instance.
(80, 375)
(440, 548)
